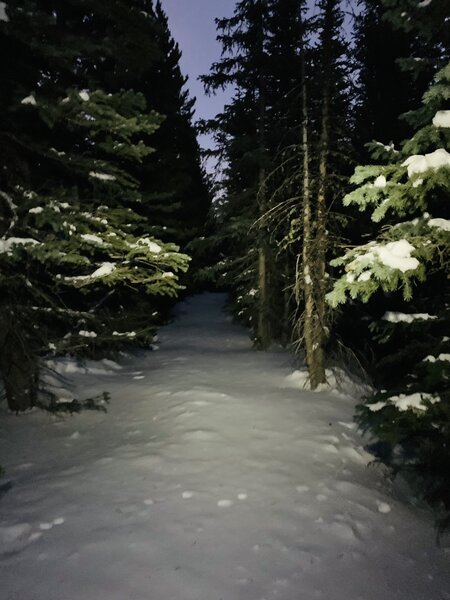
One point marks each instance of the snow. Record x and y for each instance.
(405, 402)
(36, 210)
(443, 224)
(105, 269)
(29, 100)
(365, 276)
(419, 163)
(88, 334)
(396, 255)
(441, 357)
(101, 176)
(207, 479)
(89, 237)
(9, 243)
(380, 181)
(129, 334)
(424, 3)
(398, 317)
(84, 95)
(152, 246)
(3, 15)
(442, 118)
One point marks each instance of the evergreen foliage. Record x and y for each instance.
(408, 263)
(75, 249)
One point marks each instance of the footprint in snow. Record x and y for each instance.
(225, 503)
(302, 488)
(383, 507)
(48, 526)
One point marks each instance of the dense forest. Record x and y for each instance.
(328, 227)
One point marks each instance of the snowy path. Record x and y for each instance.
(208, 479)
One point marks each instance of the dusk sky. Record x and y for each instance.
(192, 25)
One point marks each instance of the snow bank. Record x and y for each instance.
(338, 382)
(70, 366)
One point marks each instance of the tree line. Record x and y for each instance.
(101, 183)
(332, 220)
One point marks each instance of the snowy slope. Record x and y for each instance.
(211, 478)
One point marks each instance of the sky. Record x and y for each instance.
(192, 25)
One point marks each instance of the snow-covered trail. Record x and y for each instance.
(209, 479)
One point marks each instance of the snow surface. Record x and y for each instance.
(208, 479)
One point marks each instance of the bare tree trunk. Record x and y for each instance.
(307, 279)
(263, 327)
(304, 280)
(18, 366)
(321, 203)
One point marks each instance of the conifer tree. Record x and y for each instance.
(173, 182)
(409, 261)
(241, 132)
(69, 228)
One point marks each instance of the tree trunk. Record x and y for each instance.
(319, 275)
(18, 366)
(263, 327)
(311, 318)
